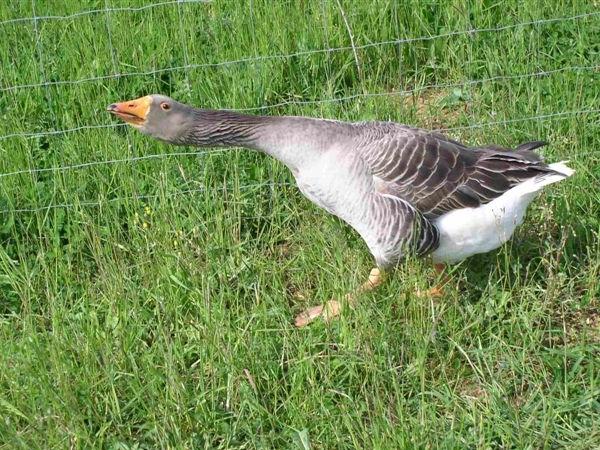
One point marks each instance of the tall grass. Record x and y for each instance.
(154, 309)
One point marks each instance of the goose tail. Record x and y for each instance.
(562, 168)
(558, 172)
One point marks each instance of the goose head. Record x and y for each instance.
(156, 115)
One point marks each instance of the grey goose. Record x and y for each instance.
(404, 190)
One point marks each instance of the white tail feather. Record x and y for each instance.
(536, 184)
(561, 167)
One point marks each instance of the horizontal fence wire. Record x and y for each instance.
(111, 161)
(99, 11)
(561, 114)
(405, 92)
(95, 203)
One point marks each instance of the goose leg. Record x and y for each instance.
(332, 308)
(438, 290)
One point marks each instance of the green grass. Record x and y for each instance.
(166, 321)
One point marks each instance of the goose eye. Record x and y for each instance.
(165, 106)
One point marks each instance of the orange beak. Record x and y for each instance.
(133, 111)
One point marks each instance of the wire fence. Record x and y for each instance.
(257, 58)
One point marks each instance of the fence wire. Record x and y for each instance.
(99, 11)
(145, 197)
(400, 93)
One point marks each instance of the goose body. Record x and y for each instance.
(458, 201)
(403, 189)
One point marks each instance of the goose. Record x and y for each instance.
(404, 190)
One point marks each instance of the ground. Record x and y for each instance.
(147, 300)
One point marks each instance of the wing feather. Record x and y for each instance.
(436, 174)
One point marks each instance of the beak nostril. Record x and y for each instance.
(131, 105)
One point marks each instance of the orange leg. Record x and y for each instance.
(332, 308)
(438, 290)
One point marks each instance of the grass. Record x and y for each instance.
(154, 309)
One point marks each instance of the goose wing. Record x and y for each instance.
(437, 174)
